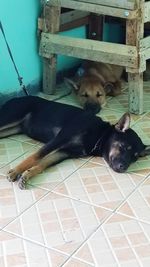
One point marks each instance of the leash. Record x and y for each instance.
(20, 79)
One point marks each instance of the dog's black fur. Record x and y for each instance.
(69, 132)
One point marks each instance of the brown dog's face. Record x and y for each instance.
(91, 94)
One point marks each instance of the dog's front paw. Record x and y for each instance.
(23, 179)
(12, 175)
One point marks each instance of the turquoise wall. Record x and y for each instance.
(19, 19)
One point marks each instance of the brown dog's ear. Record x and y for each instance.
(145, 152)
(108, 87)
(74, 84)
(124, 123)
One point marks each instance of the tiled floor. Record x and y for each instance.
(79, 213)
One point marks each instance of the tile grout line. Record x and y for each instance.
(131, 193)
(8, 163)
(35, 242)
(88, 237)
(83, 232)
(111, 247)
(47, 193)
(131, 247)
(42, 231)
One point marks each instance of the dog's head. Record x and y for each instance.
(90, 93)
(124, 146)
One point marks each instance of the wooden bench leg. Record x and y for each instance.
(135, 83)
(134, 33)
(52, 23)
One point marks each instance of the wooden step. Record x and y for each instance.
(119, 54)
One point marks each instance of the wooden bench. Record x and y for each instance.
(133, 54)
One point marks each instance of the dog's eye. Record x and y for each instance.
(129, 148)
(85, 95)
(136, 154)
(98, 94)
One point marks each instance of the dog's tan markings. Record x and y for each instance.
(115, 150)
(10, 125)
(24, 165)
(11, 131)
(50, 159)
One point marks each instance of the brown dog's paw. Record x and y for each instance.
(12, 175)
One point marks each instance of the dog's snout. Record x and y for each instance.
(120, 167)
(92, 107)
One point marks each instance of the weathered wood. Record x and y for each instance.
(127, 4)
(95, 28)
(147, 11)
(134, 33)
(69, 20)
(51, 24)
(95, 8)
(119, 54)
(73, 15)
(135, 100)
(145, 43)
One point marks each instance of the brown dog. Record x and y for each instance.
(95, 80)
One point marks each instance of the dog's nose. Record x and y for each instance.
(120, 167)
(92, 107)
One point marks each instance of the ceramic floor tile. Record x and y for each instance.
(16, 252)
(13, 201)
(120, 103)
(76, 263)
(142, 128)
(11, 149)
(58, 222)
(99, 185)
(120, 242)
(138, 204)
(24, 138)
(52, 176)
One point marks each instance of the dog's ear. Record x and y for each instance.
(74, 84)
(108, 87)
(124, 123)
(145, 152)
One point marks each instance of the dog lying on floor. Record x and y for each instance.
(69, 132)
(95, 80)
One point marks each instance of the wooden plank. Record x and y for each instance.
(73, 15)
(145, 43)
(51, 24)
(134, 33)
(95, 8)
(69, 20)
(74, 24)
(135, 81)
(119, 54)
(95, 28)
(147, 11)
(127, 4)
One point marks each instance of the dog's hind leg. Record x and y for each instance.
(10, 129)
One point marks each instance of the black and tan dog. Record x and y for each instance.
(68, 132)
(93, 81)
